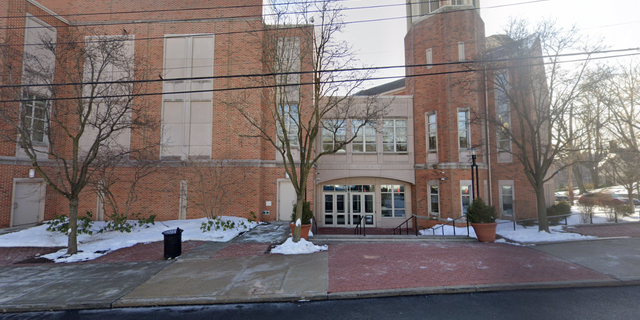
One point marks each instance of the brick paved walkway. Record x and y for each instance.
(359, 267)
(242, 250)
(140, 252)
(609, 230)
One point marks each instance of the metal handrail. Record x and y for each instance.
(415, 225)
(453, 222)
(314, 226)
(361, 228)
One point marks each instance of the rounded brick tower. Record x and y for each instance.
(442, 37)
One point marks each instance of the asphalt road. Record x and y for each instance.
(585, 303)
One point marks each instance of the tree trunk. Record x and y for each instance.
(570, 184)
(578, 175)
(543, 223)
(72, 245)
(296, 230)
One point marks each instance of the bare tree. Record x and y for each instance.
(72, 105)
(311, 76)
(119, 181)
(624, 95)
(592, 115)
(533, 79)
(214, 185)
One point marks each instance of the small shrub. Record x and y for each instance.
(120, 222)
(586, 212)
(61, 224)
(559, 209)
(307, 213)
(479, 212)
(217, 224)
(252, 216)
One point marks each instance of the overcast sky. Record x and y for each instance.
(381, 43)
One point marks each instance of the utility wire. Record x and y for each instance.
(256, 75)
(307, 83)
(103, 23)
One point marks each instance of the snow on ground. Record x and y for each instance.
(98, 244)
(531, 234)
(302, 247)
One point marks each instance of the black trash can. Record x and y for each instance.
(172, 243)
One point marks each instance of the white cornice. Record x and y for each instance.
(47, 10)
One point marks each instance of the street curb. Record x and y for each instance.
(44, 307)
(439, 290)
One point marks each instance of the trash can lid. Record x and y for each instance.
(172, 231)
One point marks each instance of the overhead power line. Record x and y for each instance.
(301, 83)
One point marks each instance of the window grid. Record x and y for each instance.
(35, 114)
(365, 140)
(503, 113)
(290, 117)
(394, 135)
(463, 130)
(434, 193)
(393, 201)
(432, 133)
(334, 133)
(507, 199)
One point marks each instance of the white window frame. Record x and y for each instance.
(436, 185)
(432, 131)
(331, 138)
(187, 98)
(466, 129)
(503, 117)
(290, 115)
(366, 132)
(502, 184)
(429, 57)
(396, 189)
(394, 135)
(463, 184)
(29, 120)
(461, 53)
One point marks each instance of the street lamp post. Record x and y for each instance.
(475, 184)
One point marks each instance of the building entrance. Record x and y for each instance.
(345, 205)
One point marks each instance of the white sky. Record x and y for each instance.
(382, 43)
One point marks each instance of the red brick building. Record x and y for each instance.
(416, 162)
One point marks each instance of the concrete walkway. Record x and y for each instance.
(240, 271)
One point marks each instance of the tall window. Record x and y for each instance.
(461, 54)
(334, 133)
(506, 194)
(392, 201)
(394, 135)
(432, 134)
(365, 139)
(434, 203)
(465, 197)
(429, 58)
(290, 117)
(463, 130)
(503, 113)
(187, 114)
(35, 117)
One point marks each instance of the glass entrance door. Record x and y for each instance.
(344, 206)
(362, 205)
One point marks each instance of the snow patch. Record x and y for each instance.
(301, 247)
(93, 246)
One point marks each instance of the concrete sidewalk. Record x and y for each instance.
(240, 271)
